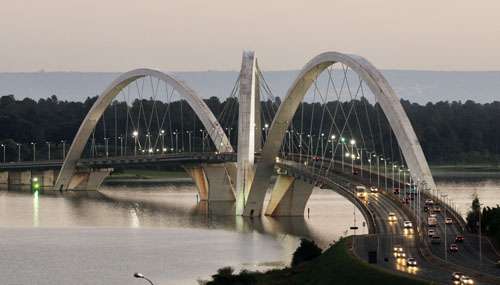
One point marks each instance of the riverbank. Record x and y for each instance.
(336, 265)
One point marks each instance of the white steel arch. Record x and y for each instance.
(384, 95)
(204, 113)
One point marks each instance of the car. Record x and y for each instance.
(398, 251)
(392, 217)
(411, 261)
(456, 275)
(453, 247)
(429, 202)
(433, 216)
(459, 239)
(435, 239)
(355, 172)
(436, 209)
(466, 280)
(448, 221)
(395, 191)
(431, 232)
(407, 224)
(373, 189)
(316, 158)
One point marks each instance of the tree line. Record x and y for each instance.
(449, 132)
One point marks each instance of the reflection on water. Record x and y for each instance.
(161, 230)
(461, 190)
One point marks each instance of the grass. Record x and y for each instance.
(147, 174)
(335, 266)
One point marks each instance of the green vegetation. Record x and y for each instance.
(490, 220)
(335, 266)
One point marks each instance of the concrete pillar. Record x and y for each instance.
(89, 180)
(48, 178)
(246, 136)
(220, 184)
(200, 180)
(4, 177)
(289, 197)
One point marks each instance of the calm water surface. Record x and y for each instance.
(103, 237)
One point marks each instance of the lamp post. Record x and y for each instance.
(63, 149)
(106, 146)
(352, 142)
(134, 135)
(189, 140)
(34, 150)
(141, 276)
(176, 134)
(202, 140)
(121, 145)
(3, 146)
(162, 137)
(342, 140)
(445, 238)
(480, 238)
(18, 152)
(48, 145)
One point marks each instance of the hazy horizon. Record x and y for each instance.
(196, 35)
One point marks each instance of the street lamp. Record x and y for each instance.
(48, 145)
(3, 146)
(445, 239)
(18, 152)
(480, 238)
(352, 142)
(134, 135)
(162, 136)
(63, 149)
(342, 140)
(141, 276)
(34, 150)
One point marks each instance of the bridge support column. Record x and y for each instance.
(200, 180)
(246, 204)
(46, 178)
(289, 197)
(19, 177)
(4, 178)
(215, 182)
(220, 183)
(88, 181)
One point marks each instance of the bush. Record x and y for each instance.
(307, 250)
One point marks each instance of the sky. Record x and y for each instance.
(192, 35)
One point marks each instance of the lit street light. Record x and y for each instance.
(48, 145)
(141, 276)
(34, 150)
(134, 135)
(3, 146)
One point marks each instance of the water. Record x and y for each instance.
(161, 231)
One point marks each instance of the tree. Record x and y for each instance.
(307, 251)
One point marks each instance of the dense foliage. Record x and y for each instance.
(450, 132)
(490, 220)
(307, 251)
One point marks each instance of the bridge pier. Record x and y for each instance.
(4, 178)
(215, 182)
(89, 180)
(288, 197)
(19, 177)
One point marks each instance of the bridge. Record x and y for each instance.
(339, 125)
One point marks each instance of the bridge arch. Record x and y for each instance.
(205, 115)
(384, 95)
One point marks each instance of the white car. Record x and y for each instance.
(429, 202)
(407, 225)
(411, 261)
(448, 221)
(373, 189)
(466, 280)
